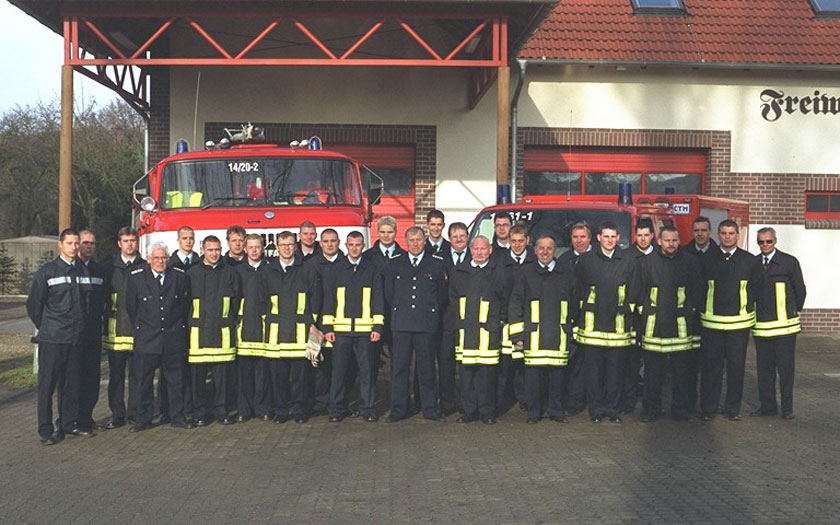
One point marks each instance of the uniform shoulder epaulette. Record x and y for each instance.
(178, 269)
(438, 257)
(138, 270)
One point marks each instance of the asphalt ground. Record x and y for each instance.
(759, 470)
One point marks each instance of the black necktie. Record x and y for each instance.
(728, 255)
(766, 261)
(414, 261)
(127, 264)
(160, 280)
(460, 257)
(518, 259)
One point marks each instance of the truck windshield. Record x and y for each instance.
(557, 223)
(259, 182)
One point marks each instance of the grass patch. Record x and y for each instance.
(16, 373)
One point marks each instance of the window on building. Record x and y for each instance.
(822, 205)
(673, 183)
(552, 183)
(826, 7)
(658, 6)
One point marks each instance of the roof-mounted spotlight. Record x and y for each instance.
(209, 144)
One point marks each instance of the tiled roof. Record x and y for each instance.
(713, 31)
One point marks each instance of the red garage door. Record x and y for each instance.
(560, 171)
(395, 164)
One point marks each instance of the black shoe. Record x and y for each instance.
(336, 419)
(371, 418)
(77, 431)
(706, 416)
(595, 419)
(164, 420)
(49, 440)
(394, 419)
(615, 419)
(762, 413)
(467, 418)
(280, 419)
(112, 424)
(203, 422)
(533, 420)
(789, 415)
(435, 417)
(648, 418)
(558, 419)
(139, 427)
(733, 417)
(241, 418)
(227, 420)
(489, 420)
(301, 419)
(355, 413)
(183, 424)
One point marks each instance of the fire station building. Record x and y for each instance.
(721, 97)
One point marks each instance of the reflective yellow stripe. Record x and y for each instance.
(273, 334)
(225, 306)
(483, 339)
(650, 324)
(480, 356)
(741, 321)
(462, 307)
(619, 317)
(680, 296)
(782, 325)
(781, 300)
(483, 311)
(226, 337)
(596, 338)
(742, 295)
(114, 299)
(301, 303)
(275, 305)
(535, 311)
(517, 328)
(300, 332)
(366, 302)
(710, 298)
(459, 350)
(564, 315)
(193, 338)
(589, 317)
(196, 307)
(340, 303)
(669, 344)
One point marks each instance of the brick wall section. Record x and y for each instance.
(423, 138)
(820, 320)
(159, 146)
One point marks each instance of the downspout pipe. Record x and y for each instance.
(514, 125)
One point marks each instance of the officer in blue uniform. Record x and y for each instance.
(415, 291)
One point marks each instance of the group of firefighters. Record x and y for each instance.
(485, 325)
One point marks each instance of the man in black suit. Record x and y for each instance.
(184, 256)
(436, 244)
(157, 300)
(701, 227)
(447, 364)
(91, 349)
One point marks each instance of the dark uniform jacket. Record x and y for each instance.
(443, 250)
(58, 301)
(374, 255)
(316, 251)
(570, 258)
(729, 289)
(118, 332)
(321, 266)
(176, 262)
(215, 294)
(513, 269)
(415, 296)
(287, 302)
(354, 299)
(671, 296)
(541, 313)
(479, 294)
(159, 314)
(250, 334)
(607, 292)
(450, 314)
(781, 296)
(96, 301)
(233, 263)
(692, 248)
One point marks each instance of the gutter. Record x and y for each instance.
(692, 65)
(514, 125)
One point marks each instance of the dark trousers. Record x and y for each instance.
(719, 348)
(252, 374)
(170, 364)
(575, 380)
(118, 362)
(632, 377)
(287, 378)
(203, 398)
(58, 369)
(447, 389)
(681, 382)
(772, 355)
(510, 382)
(604, 368)
(692, 375)
(186, 390)
(478, 390)
(406, 345)
(89, 373)
(534, 376)
(347, 350)
(318, 382)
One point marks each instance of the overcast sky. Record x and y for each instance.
(31, 59)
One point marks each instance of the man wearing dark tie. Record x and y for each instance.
(436, 244)
(447, 364)
(184, 256)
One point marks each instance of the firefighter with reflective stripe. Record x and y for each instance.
(353, 319)
(777, 308)
(510, 386)
(319, 377)
(157, 302)
(479, 288)
(731, 279)
(58, 305)
(254, 397)
(118, 336)
(91, 350)
(671, 294)
(215, 290)
(288, 287)
(541, 313)
(607, 291)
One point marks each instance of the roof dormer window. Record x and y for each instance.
(826, 7)
(662, 7)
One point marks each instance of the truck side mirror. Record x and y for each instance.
(374, 185)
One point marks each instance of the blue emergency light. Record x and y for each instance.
(182, 146)
(315, 143)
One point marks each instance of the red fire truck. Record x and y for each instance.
(554, 214)
(264, 188)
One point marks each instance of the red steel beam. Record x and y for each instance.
(105, 40)
(257, 40)
(315, 40)
(142, 49)
(427, 62)
(419, 40)
(466, 41)
(200, 30)
(362, 40)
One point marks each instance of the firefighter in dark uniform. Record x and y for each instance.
(731, 283)
(777, 308)
(91, 349)
(640, 249)
(541, 313)
(668, 327)
(215, 290)
(157, 301)
(415, 292)
(235, 256)
(184, 256)
(447, 364)
(580, 237)
(511, 379)
(353, 318)
(319, 378)
(607, 292)
(118, 336)
(254, 398)
(436, 244)
(57, 305)
(479, 289)
(502, 224)
(307, 244)
(288, 286)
